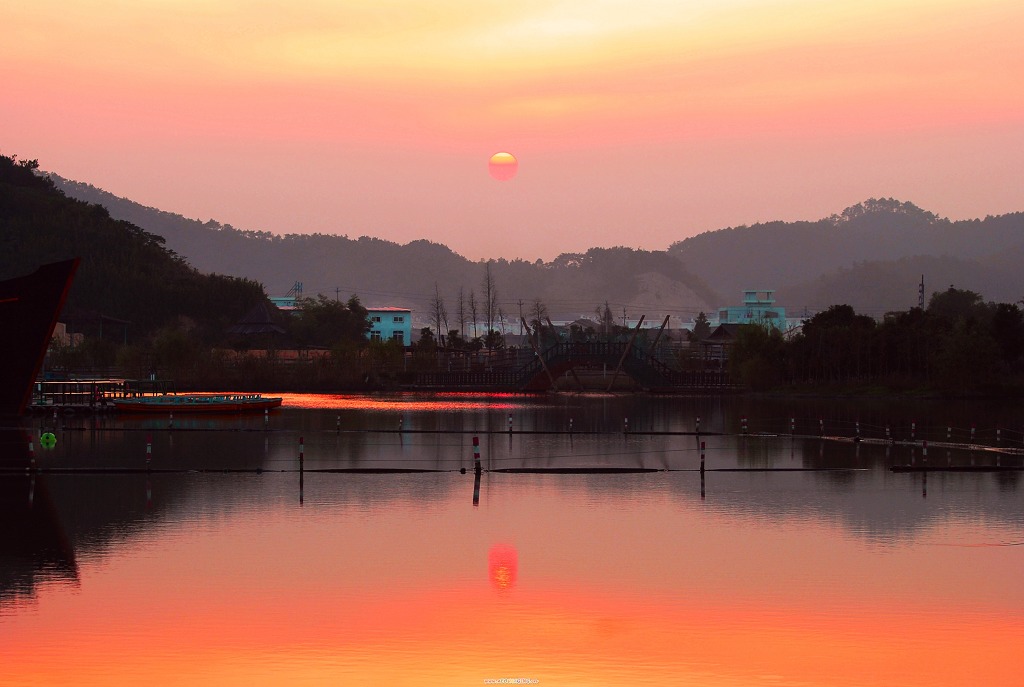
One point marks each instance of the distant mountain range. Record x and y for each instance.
(871, 256)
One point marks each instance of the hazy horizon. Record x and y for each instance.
(635, 124)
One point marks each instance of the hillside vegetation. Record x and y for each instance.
(126, 272)
(871, 256)
(386, 273)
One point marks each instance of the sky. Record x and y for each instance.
(635, 123)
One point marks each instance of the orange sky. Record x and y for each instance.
(635, 123)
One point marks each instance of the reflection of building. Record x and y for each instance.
(390, 324)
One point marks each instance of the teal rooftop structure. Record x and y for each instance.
(289, 301)
(758, 308)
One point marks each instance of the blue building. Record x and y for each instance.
(758, 308)
(390, 324)
(289, 301)
(286, 303)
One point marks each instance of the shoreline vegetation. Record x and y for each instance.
(139, 310)
(958, 347)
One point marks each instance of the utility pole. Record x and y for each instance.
(337, 294)
(623, 316)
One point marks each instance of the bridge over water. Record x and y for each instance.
(572, 365)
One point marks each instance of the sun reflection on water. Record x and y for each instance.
(502, 566)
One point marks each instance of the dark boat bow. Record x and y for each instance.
(29, 307)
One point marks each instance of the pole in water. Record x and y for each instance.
(476, 454)
(913, 430)
(924, 452)
(266, 417)
(743, 424)
(856, 430)
(887, 433)
(302, 450)
(698, 424)
(949, 432)
(702, 458)
(401, 422)
(570, 425)
(149, 449)
(510, 423)
(973, 427)
(31, 453)
(625, 425)
(337, 425)
(476, 488)
(999, 436)
(792, 425)
(821, 427)
(170, 422)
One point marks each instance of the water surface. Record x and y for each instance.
(793, 560)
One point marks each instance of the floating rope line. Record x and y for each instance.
(382, 470)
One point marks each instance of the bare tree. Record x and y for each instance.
(473, 308)
(605, 318)
(538, 313)
(490, 299)
(438, 313)
(462, 313)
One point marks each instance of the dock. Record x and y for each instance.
(91, 395)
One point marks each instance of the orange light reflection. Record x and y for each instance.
(405, 402)
(503, 566)
(556, 635)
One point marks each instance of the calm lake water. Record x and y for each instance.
(794, 559)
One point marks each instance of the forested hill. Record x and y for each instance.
(125, 272)
(872, 256)
(386, 273)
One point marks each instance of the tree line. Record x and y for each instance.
(126, 274)
(957, 344)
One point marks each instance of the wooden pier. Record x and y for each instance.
(91, 395)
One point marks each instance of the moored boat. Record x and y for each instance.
(188, 403)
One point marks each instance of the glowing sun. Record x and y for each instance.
(503, 166)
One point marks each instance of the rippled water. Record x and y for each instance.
(793, 560)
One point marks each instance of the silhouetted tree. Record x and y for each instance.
(701, 328)
(323, 321)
